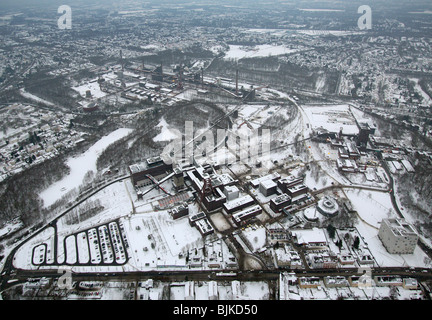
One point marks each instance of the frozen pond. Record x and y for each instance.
(79, 166)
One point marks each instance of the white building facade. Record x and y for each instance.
(398, 236)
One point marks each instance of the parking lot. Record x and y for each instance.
(102, 245)
(106, 245)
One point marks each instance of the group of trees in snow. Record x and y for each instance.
(353, 241)
(276, 72)
(53, 89)
(84, 211)
(416, 193)
(134, 147)
(19, 193)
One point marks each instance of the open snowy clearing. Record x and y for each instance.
(94, 88)
(331, 118)
(239, 52)
(166, 134)
(79, 166)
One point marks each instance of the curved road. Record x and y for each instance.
(8, 267)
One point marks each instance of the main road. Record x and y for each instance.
(21, 276)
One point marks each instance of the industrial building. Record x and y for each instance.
(363, 137)
(245, 215)
(200, 221)
(204, 227)
(280, 202)
(336, 282)
(311, 238)
(152, 166)
(288, 182)
(179, 211)
(267, 187)
(297, 190)
(308, 282)
(273, 176)
(353, 152)
(231, 192)
(346, 259)
(178, 178)
(385, 281)
(275, 235)
(347, 165)
(238, 204)
(195, 217)
(323, 261)
(328, 206)
(210, 186)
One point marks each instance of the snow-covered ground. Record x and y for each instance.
(157, 240)
(79, 166)
(426, 99)
(239, 52)
(94, 88)
(256, 237)
(166, 134)
(332, 118)
(11, 226)
(338, 33)
(372, 207)
(31, 96)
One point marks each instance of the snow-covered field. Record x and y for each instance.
(256, 237)
(332, 118)
(156, 239)
(337, 33)
(115, 201)
(79, 166)
(426, 99)
(30, 96)
(10, 227)
(94, 88)
(239, 52)
(372, 206)
(166, 133)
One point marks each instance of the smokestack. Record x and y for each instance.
(237, 81)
